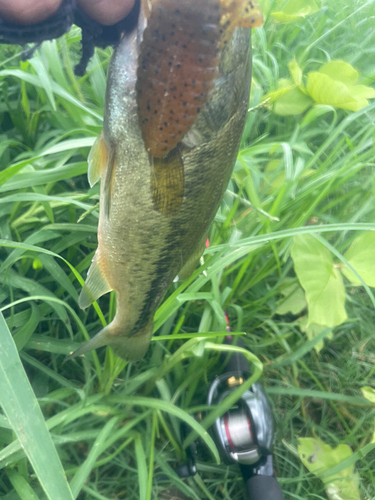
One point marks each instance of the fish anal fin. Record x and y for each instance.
(167, 182)
(96, 283)
(192, 262)
(97, 160)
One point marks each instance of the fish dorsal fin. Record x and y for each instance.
(167, 182)
(96, 283)
(97, 160)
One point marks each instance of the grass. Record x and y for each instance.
(116, 426)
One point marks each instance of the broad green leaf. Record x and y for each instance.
(321, 280)
(324, 90)
(368, 393)
(361, 256)
(335, 84)
(318, 457)
(313, 331)
(293, 102)
(284, 87)
(340, 71)
(22, 410)
(294, 300)
(295, 9)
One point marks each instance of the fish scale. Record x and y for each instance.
(155, 213)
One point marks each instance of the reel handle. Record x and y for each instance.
(263, 488)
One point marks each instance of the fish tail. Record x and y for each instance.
(129, 348)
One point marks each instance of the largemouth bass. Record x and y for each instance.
(176, 102)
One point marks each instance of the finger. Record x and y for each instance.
(25, 12)
(107, 12)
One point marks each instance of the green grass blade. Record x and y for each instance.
(23, 412)
(142, 467)
(98, 447)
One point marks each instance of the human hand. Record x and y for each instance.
(106, 12)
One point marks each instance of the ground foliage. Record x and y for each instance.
(116, 426)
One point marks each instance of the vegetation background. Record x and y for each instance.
(290, 259)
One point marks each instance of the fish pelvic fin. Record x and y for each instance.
(128, 348)
(97, 160)
(96, 283)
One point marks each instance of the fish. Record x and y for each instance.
(176, 102)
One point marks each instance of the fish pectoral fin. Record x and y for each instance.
(97, 160)
(192, 262)
(167, 182)
(95, 285)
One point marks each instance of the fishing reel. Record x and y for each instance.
(244, 434)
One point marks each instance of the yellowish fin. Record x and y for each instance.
(239, 14)
(96, 284)
(167, 182)
(128, 348)
(97, 160)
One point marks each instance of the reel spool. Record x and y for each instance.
(245, 433)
